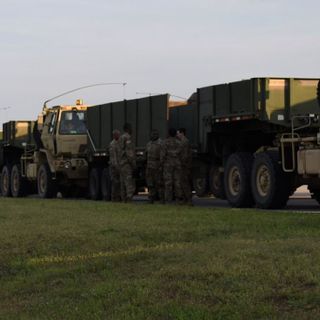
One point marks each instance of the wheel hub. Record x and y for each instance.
(234, 181)
(42, 182)
(15, 182)
(5, 183)
(263, 180)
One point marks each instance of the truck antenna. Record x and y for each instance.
(84, 87)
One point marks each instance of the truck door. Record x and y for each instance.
(48, 133)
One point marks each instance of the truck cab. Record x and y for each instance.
(61, 155)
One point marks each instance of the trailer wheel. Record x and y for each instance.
(106, 184)
(46, 185)
(6, 181)
(95, 184)
(200, 186)
(271, 187)
(18, 183)
(315, 193)
(237, 179)
(216, 183)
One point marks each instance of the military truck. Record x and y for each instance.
(66, 149)
(47, 155)
(256, 140)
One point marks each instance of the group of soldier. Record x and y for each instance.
(168, 165)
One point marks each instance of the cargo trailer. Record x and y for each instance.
(144, 115)
(257, 140)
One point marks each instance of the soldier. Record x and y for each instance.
(170, 159)
(115, 166)
(186, 167)
(127, 164)
(154, 172)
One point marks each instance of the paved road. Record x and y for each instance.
(301, 202)
(296, 204)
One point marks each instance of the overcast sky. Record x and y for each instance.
(51, 46)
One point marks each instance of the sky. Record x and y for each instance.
(168, 46)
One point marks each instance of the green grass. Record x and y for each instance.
(63, 259)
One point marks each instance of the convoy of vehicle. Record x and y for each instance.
(254, 142)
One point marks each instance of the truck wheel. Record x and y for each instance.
(237, 179)
(270, 185)
(18, 183)
(95, 184)
(46, 185)
(315, 193)
(106, 185)
(6, 181)
(200, 186)
(216, 183)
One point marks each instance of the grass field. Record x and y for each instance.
(63, 259)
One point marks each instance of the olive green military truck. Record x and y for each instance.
(46, 155)
(66, 149)
(256, 140)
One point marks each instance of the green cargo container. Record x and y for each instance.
(143, 114)
(268, 99)
(17, 132)
(267, 103)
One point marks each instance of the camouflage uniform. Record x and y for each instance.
(127, 165)
(186, 167)
(170, 159)
(114, 170)
(154, 172)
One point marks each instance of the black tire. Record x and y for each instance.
(271, 187)
(200, 186)
(314, 192)
(46, 185)
(216, 182)
(95, 184)
(106, 185)
(19, 185)
(237, 180)
(6, 181)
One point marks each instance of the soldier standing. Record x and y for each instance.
(154, 172)
(170, 158)
(127, 164)
(115, 166)
(186, 167)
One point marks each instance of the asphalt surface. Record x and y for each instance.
(300, 202)
(294, 204)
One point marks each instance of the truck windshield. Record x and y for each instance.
(72, 122)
